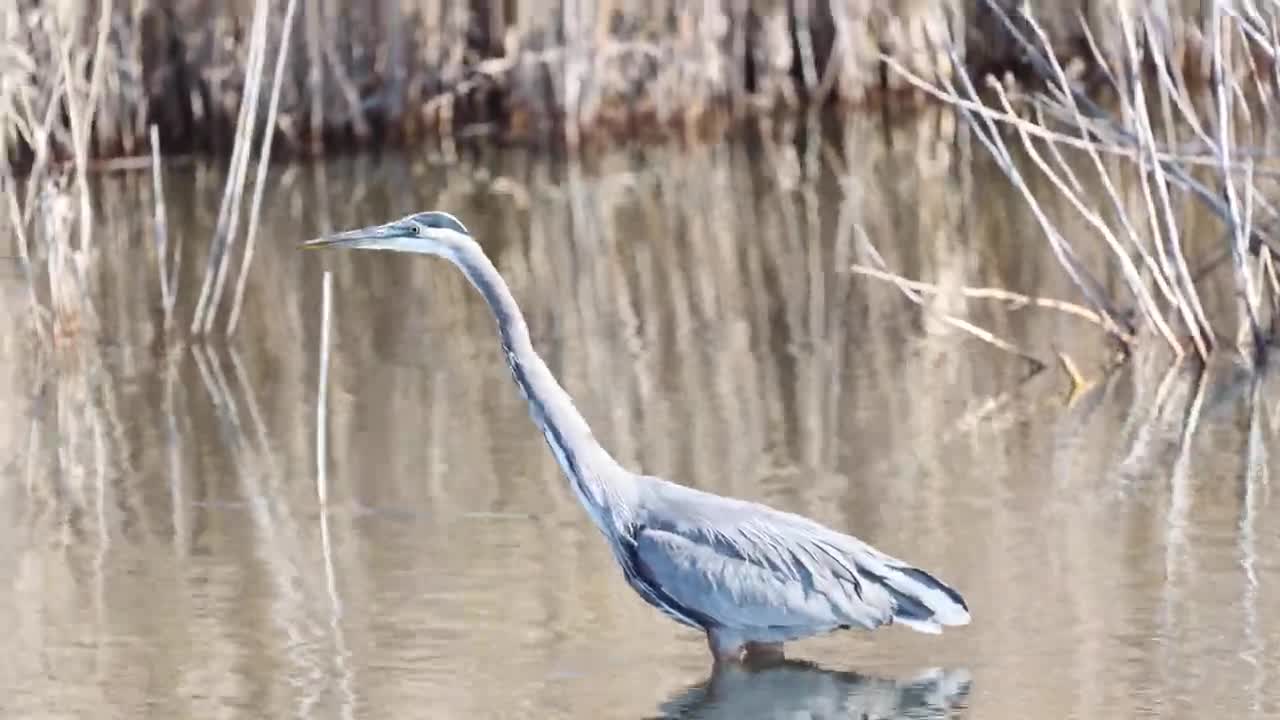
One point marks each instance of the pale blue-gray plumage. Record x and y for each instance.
(749, 576)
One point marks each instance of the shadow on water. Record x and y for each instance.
(801, 689)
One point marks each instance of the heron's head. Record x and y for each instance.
(428, 233)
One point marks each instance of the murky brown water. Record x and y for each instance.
(161, 547)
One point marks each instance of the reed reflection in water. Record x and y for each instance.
(162, 537)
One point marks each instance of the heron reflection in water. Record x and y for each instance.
(792, 689)
(749, 576)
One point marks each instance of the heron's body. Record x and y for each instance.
(749, 576)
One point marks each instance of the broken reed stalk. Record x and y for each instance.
(260, 182)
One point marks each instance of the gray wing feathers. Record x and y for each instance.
(764, 589)
(745, 565)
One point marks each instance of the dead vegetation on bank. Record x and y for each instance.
(1159, 145)
(1165, 110)
(388, 71)
(110, 84)
(84, 81)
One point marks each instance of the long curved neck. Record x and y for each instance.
(584, 461)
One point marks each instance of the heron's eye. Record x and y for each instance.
(413, 229)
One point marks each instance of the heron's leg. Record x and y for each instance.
(768, 651)
(725, 646)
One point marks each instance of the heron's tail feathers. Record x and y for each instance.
(921, 601)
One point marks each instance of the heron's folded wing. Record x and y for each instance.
(745, 582)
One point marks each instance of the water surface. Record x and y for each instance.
(161, 544)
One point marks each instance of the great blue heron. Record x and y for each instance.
(749, 576)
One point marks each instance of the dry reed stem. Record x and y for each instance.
(950, 97)
(34, 307)
(1173, 88)
(315, 76)
(1159, 170)
(245, 135)
(322, 393)
(40, 145)
(1181, 492)
(1062, 249)
(1126, 264)
(322, 484)
(1255, 483)
(1188, 300)
(81, 117)
(161, 227)
(1240, 237)
(904, 285)
(1145, 301)
(229, 212)
(264, 159)
(1174, 264)
(1016, 299)
(991, 139)
(347, 87)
